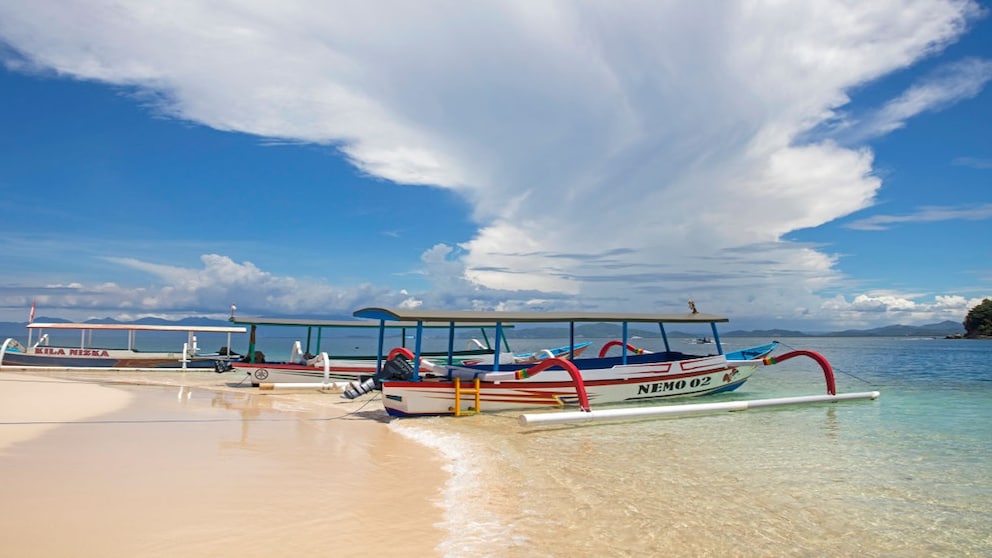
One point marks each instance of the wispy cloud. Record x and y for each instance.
(948, 85)
(924, 215)
(942, 88)
(973, 162)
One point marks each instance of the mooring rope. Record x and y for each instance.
(842, 371)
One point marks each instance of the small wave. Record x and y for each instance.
(471, 528)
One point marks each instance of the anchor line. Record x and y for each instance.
(842, 371)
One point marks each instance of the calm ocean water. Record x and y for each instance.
(908, 474)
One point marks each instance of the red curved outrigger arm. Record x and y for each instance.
(580, 386)
(606, 348)
(400, 351)
(828, 371)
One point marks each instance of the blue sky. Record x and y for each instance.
(812, 166)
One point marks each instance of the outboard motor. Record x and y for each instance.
(221, 366)
(398, 368)
(356, 389)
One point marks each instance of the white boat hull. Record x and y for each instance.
(74, 357)
(554, 389)
(124, 356)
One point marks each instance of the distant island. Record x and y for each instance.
(946, 328)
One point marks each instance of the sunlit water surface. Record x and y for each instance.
(908, 474)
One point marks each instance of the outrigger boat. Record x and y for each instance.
(309, 363)
(634, 375)
(90, 353)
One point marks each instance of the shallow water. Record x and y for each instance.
(908, 474)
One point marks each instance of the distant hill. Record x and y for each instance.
(772, 333)
(40, 319)
(939, 329)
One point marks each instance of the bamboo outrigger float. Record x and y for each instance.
(671, 411)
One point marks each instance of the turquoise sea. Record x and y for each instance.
(908, 474)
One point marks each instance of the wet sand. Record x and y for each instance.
(111, 466)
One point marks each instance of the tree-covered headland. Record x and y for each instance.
(978, 322)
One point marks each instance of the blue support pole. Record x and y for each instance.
(499, 334)
(382, 335)
(416, 356)
(451, 343)
(623, 348)
(716, 339)
(664, 337)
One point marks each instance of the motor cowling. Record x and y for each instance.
(396, 368)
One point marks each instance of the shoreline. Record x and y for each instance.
(123, 464)
(65, 401)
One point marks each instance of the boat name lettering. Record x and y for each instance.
(72, 352)
(673, 385)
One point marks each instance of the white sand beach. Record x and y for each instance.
(93, 468)
(31, 405)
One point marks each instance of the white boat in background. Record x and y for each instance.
(123, 353)
(635, 375)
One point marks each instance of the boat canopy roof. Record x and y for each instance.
(366, 324)
(465, 316)
(137, 327)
